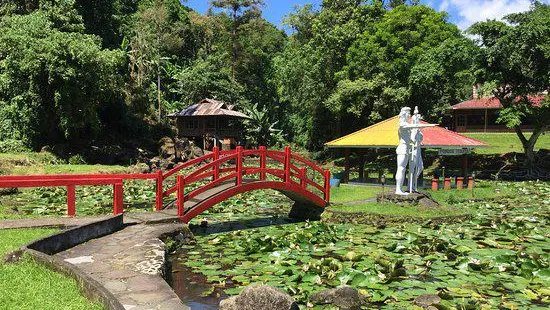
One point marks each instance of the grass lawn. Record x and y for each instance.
(46, 163)
(347, 193)
(482, 190)
(505, 142)
(29, 285)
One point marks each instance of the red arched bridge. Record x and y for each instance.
(203, 182)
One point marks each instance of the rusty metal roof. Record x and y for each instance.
(384, 135)
(209, 107)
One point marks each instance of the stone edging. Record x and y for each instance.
(42, 249)
(336, 216)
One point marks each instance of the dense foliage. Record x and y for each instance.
(95, 73)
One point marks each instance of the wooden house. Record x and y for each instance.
(481, 114)
(210, 122)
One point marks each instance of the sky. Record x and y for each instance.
(462, 12)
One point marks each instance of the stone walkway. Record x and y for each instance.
(129, 264)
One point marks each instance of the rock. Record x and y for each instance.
(416, 199)
(265, 297)
(140, 168)
(344, 297)
(46, 149)
(13, 257)
(229, 303)
(427, 300)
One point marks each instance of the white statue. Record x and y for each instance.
(416, 165)
(404, 149)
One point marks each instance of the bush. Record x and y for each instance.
(13, 146)
(77, 160)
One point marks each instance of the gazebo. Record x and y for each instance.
(383, 135)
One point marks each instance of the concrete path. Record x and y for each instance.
(129, 263)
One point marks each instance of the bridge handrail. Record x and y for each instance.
(71, 181)
(187, 164)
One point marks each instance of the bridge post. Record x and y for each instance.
(327, 186)
(239, 179)
(160, 191)
(181, 195)
(216, 153)
(118, 197)
(262, 162)
(287, 164)
(71, 205)
(303, 176)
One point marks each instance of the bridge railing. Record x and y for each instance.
(221, 167)
(71, 181)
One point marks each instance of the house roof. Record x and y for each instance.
(209, 107)
(491, 103)
(384, 135)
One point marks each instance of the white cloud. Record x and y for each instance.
(468, 12)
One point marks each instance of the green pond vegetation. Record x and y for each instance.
(497, 259)
(29, 285)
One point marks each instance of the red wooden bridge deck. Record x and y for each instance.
(201, 183)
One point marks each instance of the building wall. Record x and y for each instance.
(481, 120)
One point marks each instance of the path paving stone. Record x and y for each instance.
(129, 264)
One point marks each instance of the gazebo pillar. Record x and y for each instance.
(346, 165)
(465, 164)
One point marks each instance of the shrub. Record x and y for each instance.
(13, 146)
(77, 160)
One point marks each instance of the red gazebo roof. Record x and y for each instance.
(384, 135)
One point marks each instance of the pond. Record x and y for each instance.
(498, 259)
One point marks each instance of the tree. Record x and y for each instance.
(235, 6)
(515, 56)
(157, 35)
(53, 83)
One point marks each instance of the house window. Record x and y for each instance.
(461, 120)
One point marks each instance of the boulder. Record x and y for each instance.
(265, 297)
(343, 297)
(427, 301)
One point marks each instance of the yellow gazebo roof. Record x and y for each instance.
(384, 135)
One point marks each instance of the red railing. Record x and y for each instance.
(220, 167)
(217, 167)
(72, 180)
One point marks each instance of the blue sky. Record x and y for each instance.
(462, 12)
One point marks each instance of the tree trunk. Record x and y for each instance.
(529, 144)
(234, 44)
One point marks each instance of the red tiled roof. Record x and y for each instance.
(489, 103)
(439, 137)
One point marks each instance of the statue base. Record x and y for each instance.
(412, 199)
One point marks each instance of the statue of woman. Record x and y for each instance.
(416, 165)
(404, 148)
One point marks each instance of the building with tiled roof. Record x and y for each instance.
(481, 114)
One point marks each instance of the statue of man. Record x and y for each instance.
(416, 165)
(404, 148)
